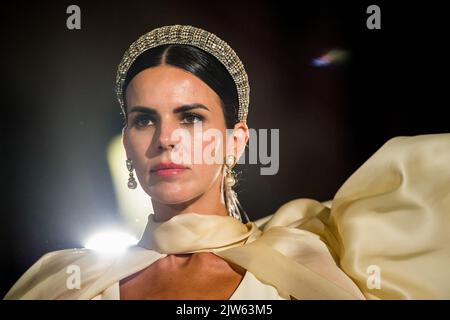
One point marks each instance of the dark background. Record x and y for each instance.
(59, 109)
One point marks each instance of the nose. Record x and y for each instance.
(165, 139)
(163, 146)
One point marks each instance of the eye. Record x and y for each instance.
(190, 117)
(142, 121)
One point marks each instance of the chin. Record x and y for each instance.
(168, 195)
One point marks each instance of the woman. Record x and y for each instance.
(384, 235)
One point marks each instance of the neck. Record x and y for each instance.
(210, 202)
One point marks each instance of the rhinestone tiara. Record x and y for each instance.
(189, 35)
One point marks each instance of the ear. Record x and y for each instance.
(238, 140)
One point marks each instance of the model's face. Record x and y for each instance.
(161, 102)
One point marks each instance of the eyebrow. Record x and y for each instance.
(183, 108)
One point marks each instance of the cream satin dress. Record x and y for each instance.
(384, 235)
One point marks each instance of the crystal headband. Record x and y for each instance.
(179, 34)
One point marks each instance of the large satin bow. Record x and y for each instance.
(279, 256)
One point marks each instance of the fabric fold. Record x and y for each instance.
(193, 232)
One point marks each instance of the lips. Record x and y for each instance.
(168, 169)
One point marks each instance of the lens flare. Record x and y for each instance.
(110, 241)
(334, 56)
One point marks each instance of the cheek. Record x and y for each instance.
(137, 147)
(205, 175)
(206, 160)
(193, 148)
(212, 148)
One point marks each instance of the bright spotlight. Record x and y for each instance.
(110, 241)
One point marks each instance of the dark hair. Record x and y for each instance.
(199, 63)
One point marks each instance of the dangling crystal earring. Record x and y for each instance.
(234, 208)
(132, 184)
